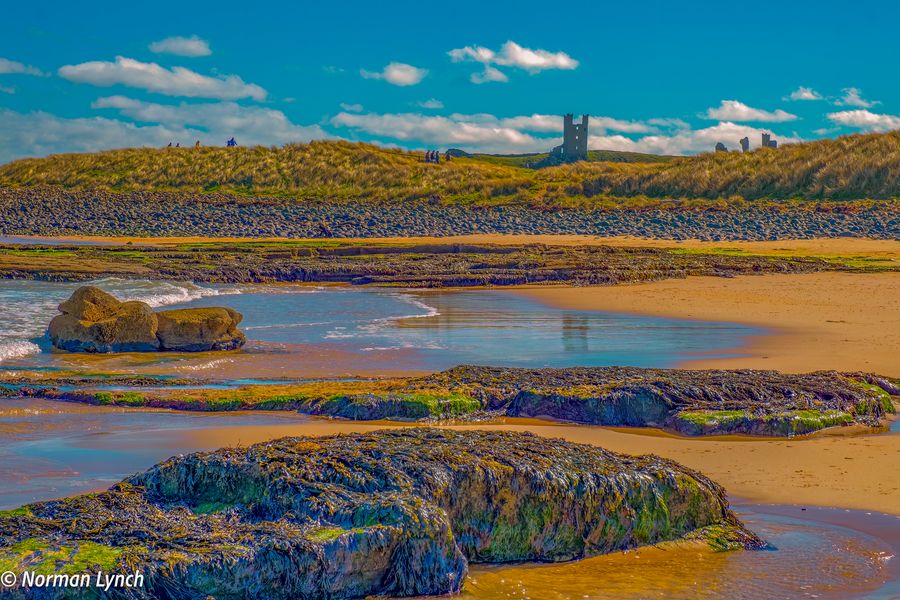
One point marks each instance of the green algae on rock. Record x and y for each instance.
(689, 402)
(394, 513)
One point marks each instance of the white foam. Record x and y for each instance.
(16, 349)
(285, 326)
(207, 365)
(159, 293)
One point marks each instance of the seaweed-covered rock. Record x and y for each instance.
(398, 513)
(95, 321)
(690, 402)
(200, 329)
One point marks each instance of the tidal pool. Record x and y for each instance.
(298, 330)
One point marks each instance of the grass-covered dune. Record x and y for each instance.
(846, 168)
(388, 513)
(688, 402)
(542, 159)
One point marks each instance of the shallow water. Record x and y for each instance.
(819, 553)
(336, 330)
(51, 449)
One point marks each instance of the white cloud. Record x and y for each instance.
(669, 123)
(612, 124)
(12, 67)
(864, 119)
(177, 81)
(431, 103)
(490, 74)
(511, 55)
(732, 110)
(542, 123)
(351, 107)
(688, 141)
(804, 93)
(181, 46)
(514, 55)
(489, 133)
(397, 73)
(40, 133)
(853, 97)
(554, 123)
(476, 132)
(217, 121)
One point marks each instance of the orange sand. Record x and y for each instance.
(844, 321)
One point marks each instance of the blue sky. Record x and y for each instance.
(659, 77)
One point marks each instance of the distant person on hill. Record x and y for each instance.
(178, 145)
(170, 145)
(197, 145)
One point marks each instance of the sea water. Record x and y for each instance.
(425, 329)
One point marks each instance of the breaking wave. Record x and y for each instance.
(17, 349)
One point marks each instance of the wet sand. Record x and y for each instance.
(842, 321)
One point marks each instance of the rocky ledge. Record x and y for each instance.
(706, 402)
(395, 513)
(689, 402)
(95, 321)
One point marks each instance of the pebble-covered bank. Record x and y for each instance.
(50, 211)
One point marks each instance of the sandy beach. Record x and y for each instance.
(842, 321)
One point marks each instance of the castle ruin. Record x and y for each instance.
(575, 139)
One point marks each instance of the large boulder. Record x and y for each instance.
(200, 329)
(95, 321)
(387, 513)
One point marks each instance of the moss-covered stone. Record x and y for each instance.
(397, 513)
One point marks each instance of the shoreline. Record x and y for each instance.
(813, 321)
(828, 469)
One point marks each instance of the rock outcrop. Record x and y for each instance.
(95, 321)
(199, 329)
(689, 402)
(395, 512)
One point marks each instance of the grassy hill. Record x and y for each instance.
(530, 161)
(847, 168)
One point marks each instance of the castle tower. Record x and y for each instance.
(575, 138)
